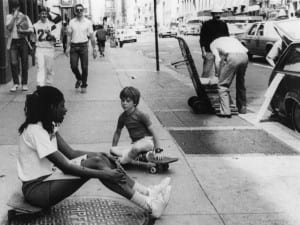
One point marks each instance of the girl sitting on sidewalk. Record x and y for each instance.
(51, 170)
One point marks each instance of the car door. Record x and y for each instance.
(249, 38)
(260, 40)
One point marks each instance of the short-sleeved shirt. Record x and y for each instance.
(211, 30)
(227, 45)
(40, 30)
(137, 124)
(34, 147)
(80, 30)
(13, 34)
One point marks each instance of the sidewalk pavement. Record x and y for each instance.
(225, 189)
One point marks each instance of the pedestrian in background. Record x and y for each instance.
(211, 30)
(230, 59)
(64, 35)
(19, 28)
(80, 30)
(45, 40)
(101, 39)
(51, 170)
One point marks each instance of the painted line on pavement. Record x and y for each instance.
(197, 52)
(212, 128)
(260, 65)
(171, 110)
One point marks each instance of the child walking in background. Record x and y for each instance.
(51, 170)
(101, 39)
(140, 129)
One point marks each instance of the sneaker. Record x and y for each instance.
(152, 157)
(157, 189)
(213, 81)
(77, 84)
(14, 88)
(24, 87)
(83, 90)
(159, 203)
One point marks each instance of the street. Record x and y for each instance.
(257, 76)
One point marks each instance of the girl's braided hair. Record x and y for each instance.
(132, 93)
(39, 107)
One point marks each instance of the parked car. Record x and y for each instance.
(167, 32)
(125, 36)
(286, 100)
(193, 26)
(260, 38)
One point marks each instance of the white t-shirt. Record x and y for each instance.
(34, 146)
(40, 30)
(225, 45)
(80, 30)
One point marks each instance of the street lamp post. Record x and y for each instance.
(156, 37)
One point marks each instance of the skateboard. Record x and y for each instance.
(161, 165)
(20, 207)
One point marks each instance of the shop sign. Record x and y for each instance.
(66, 3)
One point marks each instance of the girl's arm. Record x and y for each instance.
(66, 167)
(155, 136)
(116, 137)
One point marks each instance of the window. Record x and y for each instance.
(260, 30)
(291, 62)
(252, 30)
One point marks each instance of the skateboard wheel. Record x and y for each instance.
(191, 100)
(153, 170)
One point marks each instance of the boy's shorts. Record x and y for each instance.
(122, 152)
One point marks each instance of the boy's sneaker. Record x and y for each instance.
(157, 189)
(24, 87)
(14, 88)
(159, 203)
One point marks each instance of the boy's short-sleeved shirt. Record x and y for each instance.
(34, 147)
(137, 124)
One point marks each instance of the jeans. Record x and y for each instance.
(208, 65)
(19, 49)
(80, 51)
(234, 64)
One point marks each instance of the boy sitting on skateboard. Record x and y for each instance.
(145, 143)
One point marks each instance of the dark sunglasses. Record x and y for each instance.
(79, 9)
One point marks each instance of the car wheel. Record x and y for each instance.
(296, 116)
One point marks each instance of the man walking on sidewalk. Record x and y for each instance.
(230, 59)
(80, 30)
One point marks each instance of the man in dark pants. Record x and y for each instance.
(19, 27)
(80, 30)
(211, 30)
